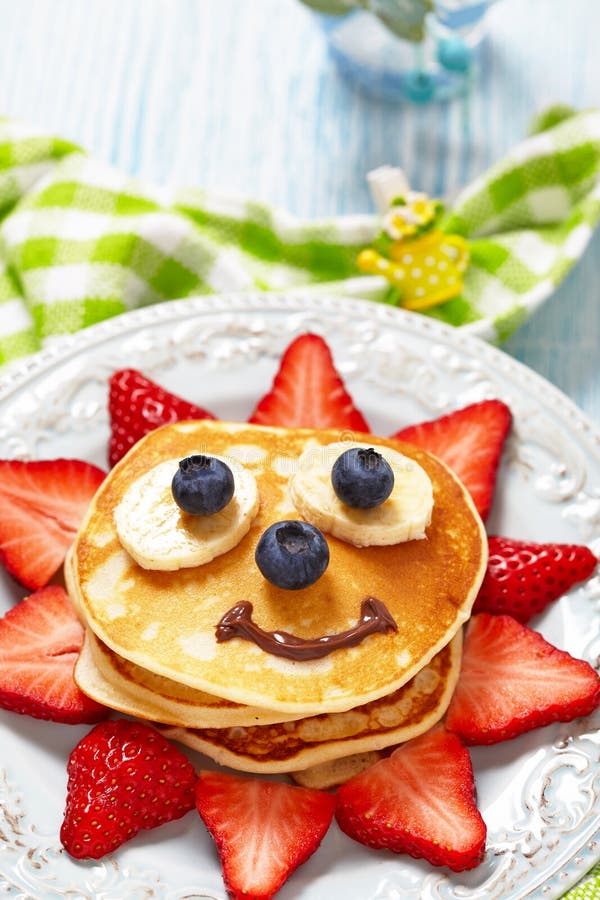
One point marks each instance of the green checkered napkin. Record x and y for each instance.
(588, 888)
(80, 242)
(528, 220)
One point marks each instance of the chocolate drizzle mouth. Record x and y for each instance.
(237, 622)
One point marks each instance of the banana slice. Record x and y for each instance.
(159, 535)
(404, 516)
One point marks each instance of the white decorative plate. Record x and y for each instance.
(539, 794)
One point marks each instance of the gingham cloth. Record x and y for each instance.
(588, 888)
(80, 242)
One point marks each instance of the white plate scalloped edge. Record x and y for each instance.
(538, 793)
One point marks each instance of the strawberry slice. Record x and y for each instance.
(42, 505)
(469, 441)
(40, 639)
(420, 800)
(137, 405)
(263, 830)
(522, 578)
(512, 680)
(308, 391)
(123, 777)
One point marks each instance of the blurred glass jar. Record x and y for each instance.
(417, 50)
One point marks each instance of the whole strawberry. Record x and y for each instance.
(522, 578)
(137, 405)
(123, 777)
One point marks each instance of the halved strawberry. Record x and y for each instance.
(42, 505)
(137, 405)
(522, 577)
(420, 800)
(123, 777)
(512, 680)
(40, 639)
(469, 441)
(308, 391)
(263, 830)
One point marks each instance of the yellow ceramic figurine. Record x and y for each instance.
(423, 263)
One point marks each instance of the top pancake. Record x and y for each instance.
(165, 621)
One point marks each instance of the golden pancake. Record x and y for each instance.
(315, 741)
(119, 684)
(329, 775)
(166, 621)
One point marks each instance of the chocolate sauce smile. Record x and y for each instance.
(237, 622)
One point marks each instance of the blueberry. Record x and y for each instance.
(362, 478)
(202, 485)
(292, 554)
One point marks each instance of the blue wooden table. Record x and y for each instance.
(243, 96)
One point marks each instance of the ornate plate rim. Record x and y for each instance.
(299, 301)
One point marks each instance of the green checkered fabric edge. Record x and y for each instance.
(80, 242)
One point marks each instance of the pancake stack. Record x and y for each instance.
(152, 648)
